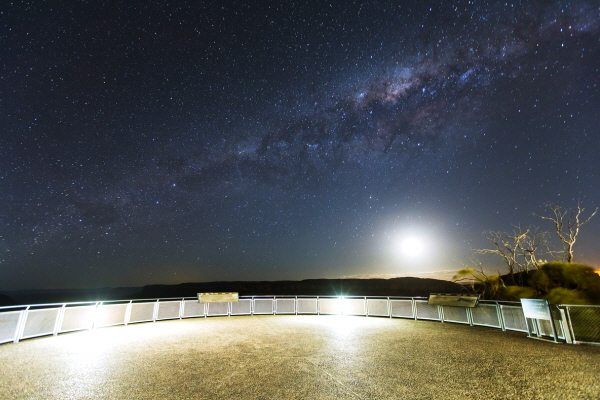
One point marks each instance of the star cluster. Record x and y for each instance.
(170, 142)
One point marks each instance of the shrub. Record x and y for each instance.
(566, 283)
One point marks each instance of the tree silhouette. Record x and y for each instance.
(567, 230)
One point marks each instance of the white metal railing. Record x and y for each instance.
(575, 324)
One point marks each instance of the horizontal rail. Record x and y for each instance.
(575, 324)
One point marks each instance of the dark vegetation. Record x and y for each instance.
(561, 281)
(319, 287)
(558, 282)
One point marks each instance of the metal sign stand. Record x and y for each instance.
(536, 310)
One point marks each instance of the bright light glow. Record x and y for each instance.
(412, 246)
(343, 306)
(343, 326)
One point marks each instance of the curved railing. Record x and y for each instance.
(574, 324)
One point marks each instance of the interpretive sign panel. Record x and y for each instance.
(457, 300)
(218, 297)
(536, 309)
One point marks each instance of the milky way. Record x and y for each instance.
(165, 143)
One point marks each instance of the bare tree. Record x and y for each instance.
(517, 249)
(530, 246)
(567, 233)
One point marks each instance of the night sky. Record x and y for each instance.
(168, 142)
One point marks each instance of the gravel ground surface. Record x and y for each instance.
(297, 357)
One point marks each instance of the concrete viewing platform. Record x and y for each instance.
(297, 357)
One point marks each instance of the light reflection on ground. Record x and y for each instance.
(299, 357)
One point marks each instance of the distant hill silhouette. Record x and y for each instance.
(6, 300)
(322, 287)
(46, 296)
(313, 287)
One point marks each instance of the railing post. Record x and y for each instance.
(441, 313)
(21, 324)
(366, 306)
(59, 319)
(470, 316)
(95, 323)
(181, 307)
(128, 312)
(414, 308)
(155, 312)
(566, 325)
(501, 317)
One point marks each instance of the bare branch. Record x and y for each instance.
(573, 224)
(517, 249)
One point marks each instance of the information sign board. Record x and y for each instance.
(536, 309)
(456, 300)
(218, 297)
